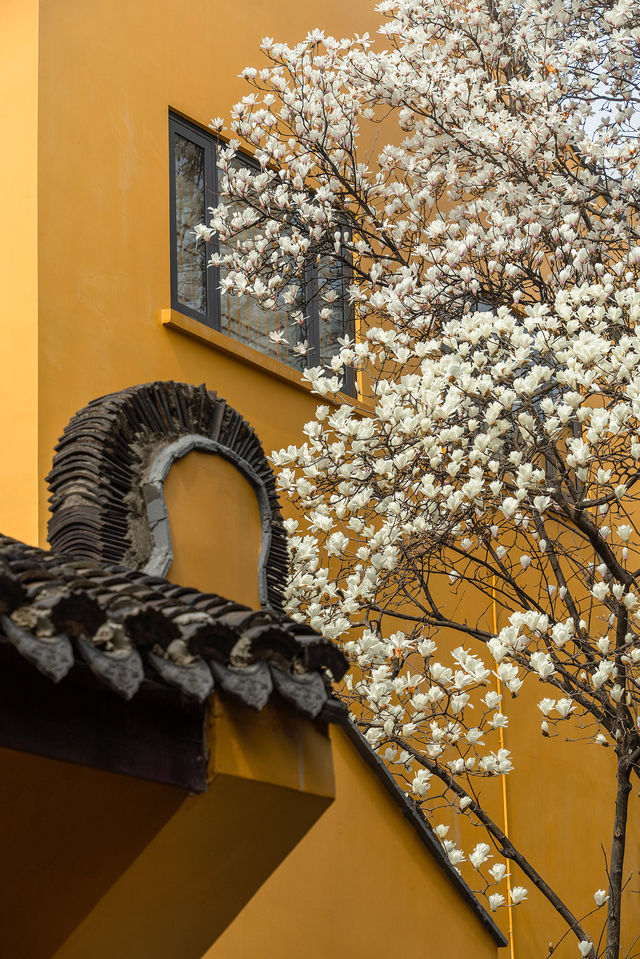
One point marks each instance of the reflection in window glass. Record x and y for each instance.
(332, 299)
(190, 210)
(245, 320)
(196, 288)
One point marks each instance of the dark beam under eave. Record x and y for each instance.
(159, 735)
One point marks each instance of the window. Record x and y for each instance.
(195, 287)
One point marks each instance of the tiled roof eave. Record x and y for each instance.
(57, 609)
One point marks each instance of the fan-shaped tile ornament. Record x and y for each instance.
(106, 481)
(306, 692)
(252, 684)
(53, 655)
(194, 678)
(121, 670)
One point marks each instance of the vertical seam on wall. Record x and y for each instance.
(38, 536)
(503, 784)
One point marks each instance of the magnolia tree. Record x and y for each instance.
(487, 486)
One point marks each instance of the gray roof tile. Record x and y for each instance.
(125, 625)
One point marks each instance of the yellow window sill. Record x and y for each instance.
(173, 320)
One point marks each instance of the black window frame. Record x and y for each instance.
(178, 126)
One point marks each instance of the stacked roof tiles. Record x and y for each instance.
(126, 625)
(102, 503)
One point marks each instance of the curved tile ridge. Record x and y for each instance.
(128, 626)
(106, 481)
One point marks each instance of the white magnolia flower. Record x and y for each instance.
(605, 671)
(495, 901)
(562, 632)
(542, 664)
(600, 591)
(421, 782)
(453, 854)
(474, 736)
(564, 707)
(302, 348)
(498, 871)
(492, 699)
(616, 692)
(480, 854)
(497, 344)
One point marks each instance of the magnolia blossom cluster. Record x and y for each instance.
(495, 474)
(472, 176)
(492, 875)
(511, 167)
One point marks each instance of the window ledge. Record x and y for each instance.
(173, 320)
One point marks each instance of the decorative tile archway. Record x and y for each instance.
(107, 479)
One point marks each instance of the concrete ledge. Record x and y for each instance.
(173, 320)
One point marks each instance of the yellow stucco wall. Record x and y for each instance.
(67, 832)
(109, 72)
(215, 528)
(560, 804)
(86, 266)
(270, 776)
(360, 883)
(19, 269)
(97, 865)
(561, 801)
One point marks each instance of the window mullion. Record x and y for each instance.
(348, 313)
(213, 272)
(311, 310)
(172, 215)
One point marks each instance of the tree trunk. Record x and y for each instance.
(617, 860)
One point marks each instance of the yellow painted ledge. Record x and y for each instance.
(173, 320)
(198, 859)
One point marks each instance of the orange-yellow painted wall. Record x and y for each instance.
(109, 71)
(97, 865)
(270, 778)
(67, 832)
(561, 800)
(215, 528)
(86, 267)
(360, 883)
(19, 269)
(560, 803)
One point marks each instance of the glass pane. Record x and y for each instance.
(245, 320)
(331, 297)
(191, 259)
